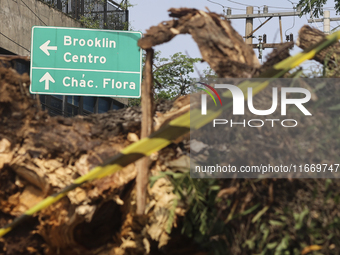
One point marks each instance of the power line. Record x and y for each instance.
(233, 8)
(216, 3)
(293, 20)
(311, 14)
(290, 27)
(34, 13)
(14, 42)
(278, 7)
(336, 27)
(289, 8)
(291, 2)
(270, 6)
(225, 6)
(242, 4)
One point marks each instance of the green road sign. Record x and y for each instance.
(88, 62)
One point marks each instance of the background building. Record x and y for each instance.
(15, 39)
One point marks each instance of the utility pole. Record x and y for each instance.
(280, 23)
(250, 15)
(249, 25)
(326, 21)
(263, 15)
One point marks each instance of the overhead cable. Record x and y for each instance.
(34, 13)
(311, 14)
(14, 42)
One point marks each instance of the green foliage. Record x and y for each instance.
(172, 75)
(331, 67)
(89, 22)
(288, 226)
(199, 196)
(124, 5)
(290, 229)
(134, 102)
(316, 6)
(115, 21)
(172, 214)
(209, 73)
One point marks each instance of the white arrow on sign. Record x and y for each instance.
(47, 78)
(45, 48)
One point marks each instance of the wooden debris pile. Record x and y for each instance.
(40, 155)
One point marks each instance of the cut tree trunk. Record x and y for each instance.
(220, 45)
(146, 130)
(40, 155)
(310, 36)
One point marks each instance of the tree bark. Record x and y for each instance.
(220, 45)
(146, 130)
(40, 155)
(310, 36)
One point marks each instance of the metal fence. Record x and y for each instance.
(105, 14)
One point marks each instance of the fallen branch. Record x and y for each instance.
(147, 128)
(310, 36)
(220, 45)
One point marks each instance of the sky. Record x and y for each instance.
(147, 13)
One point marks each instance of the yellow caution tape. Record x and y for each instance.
(172, 131)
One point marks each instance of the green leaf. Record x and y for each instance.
(153, 179)
(250, 243)
(320, 86)
(216, 187)
(334, 108)
(259, 214)
(177, 175)
(283, 218)
(276, 223)
(328, 182)
(251, 209)
(299, 218)
(282, 246)
(271, 246)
